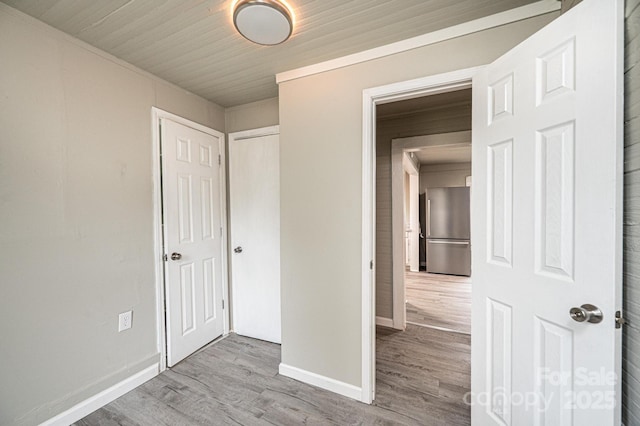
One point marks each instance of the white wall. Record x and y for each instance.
(76, 217)
(253, 115)
(443, 175)
(321, 189)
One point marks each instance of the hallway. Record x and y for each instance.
(424, 373)
(442, 301)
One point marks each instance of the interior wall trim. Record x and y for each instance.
(503, 18)
(333, 385)
(101, 399)
(372, 97)
(384, 322)
(254, 133)
(398, 147)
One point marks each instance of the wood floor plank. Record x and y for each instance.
(423, 358)
(422, 376)
(439, 300)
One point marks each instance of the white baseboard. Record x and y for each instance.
(384, 322)
(323, 382)
(101, 399)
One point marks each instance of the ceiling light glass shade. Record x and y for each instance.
(266, 22)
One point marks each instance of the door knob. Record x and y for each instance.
(238, 249)
(176, 256)
(586, 312)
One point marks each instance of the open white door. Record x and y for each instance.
(547, 222)
(192, 204)
(254, 194)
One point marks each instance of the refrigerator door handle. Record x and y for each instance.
(458, 243)
(428, 218)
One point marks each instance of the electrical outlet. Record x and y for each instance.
(125, 320)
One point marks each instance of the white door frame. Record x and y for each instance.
(410, 191)
(158, 252)
(441, 83)
(400, 146)
(237, 136)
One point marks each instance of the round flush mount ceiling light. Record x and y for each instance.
(266, 22)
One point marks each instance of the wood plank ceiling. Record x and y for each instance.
(193, 44)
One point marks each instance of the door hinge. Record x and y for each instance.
(620, 321)
(219, 159)
(221, 231)
(165, 257)
(223, 304)
(371, 265)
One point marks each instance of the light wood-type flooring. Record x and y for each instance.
(422, 376)
(439, 300)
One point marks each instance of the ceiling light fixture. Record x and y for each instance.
(266, 22)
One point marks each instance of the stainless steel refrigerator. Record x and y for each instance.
(448, 231)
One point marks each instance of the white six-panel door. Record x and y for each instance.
(254, 194)
(547, 224)
(192, 206)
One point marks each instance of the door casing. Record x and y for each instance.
(158, 252)
(432, 85)
(410, 192)
(400, 146)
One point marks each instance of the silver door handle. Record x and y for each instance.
(457, 243)
(237, 249)
(586, 312)
(428, 218)
(176, 256)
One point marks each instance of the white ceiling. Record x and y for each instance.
(193, 44)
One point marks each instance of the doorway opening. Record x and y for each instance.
(376, 296)
(423, 178)
(432, 288)
(438, 286)
(423, 252)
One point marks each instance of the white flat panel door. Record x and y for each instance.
(547, 213)
(254, 182)
(192, 206)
